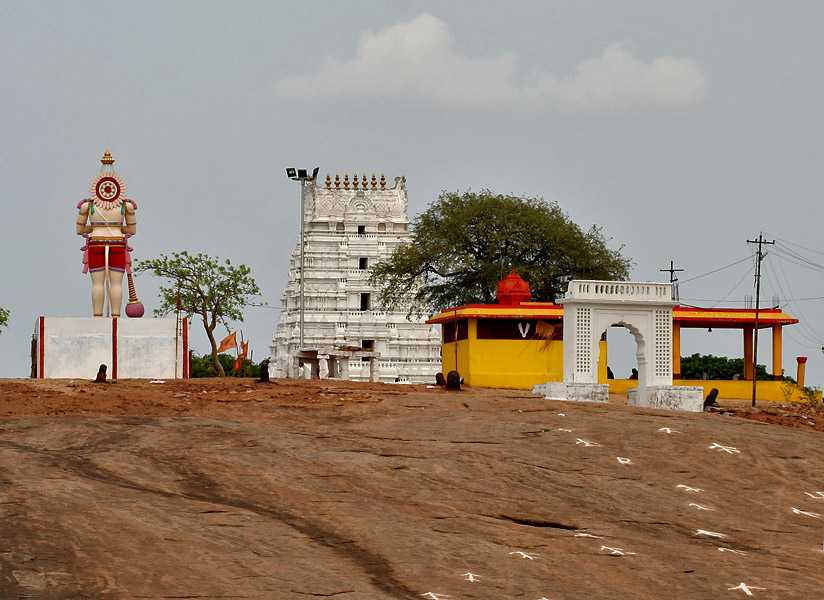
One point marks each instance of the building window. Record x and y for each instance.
(340, 227)
(382, 227)
(449, 329)
(368, 344)
(361, 229)
(365, 300)
(363, 263)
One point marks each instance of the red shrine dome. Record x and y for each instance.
(513, 289)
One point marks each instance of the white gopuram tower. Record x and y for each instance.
(350, 225)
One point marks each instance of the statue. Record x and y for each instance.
(106, 221)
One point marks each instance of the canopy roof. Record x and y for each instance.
(685, 316)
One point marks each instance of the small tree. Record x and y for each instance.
(463, 244)
(213, 290)
(4, 318)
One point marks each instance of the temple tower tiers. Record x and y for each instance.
(351, 224)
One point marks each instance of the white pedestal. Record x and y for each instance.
(573, 392)
(74, 348)
(672, 397)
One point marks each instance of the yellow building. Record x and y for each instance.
(518, 344)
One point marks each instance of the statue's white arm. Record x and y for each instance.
(81, 225)
(131, 221)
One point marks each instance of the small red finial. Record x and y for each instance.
(513, 289)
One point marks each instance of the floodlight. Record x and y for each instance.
(290, 173)
(315, 173)
(302, 174)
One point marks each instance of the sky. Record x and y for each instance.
(682, 128)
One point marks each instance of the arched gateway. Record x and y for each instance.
(590, 307)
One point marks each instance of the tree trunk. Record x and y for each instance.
(213, 343)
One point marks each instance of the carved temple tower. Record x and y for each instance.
(351, 225)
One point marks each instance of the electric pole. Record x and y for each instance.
(759, 256)
(673, 279)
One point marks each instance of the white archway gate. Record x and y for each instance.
(590, 308)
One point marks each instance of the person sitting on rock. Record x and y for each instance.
(101, 374)
(453, 381)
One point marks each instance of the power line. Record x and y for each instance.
(719, 269)
(797, 244)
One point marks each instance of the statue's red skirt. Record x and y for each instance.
(97, 255)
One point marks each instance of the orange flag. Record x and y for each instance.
(230, 341)
(244, 349)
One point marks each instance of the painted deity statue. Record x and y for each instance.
(106, 221)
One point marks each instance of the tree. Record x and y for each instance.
(4, 318)
(463, 244)
(708, 366)
(213, 290)
(202, 366)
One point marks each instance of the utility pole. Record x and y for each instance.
(673, 279)
(759, 256)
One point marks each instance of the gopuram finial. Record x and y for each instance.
(107, 158)
(355, 181)
(337, 181)
(328, 181)
(383, 182)
(364, 183)
(346, 181)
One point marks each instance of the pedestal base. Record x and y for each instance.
(672, 397)
(573, 392)
(74, 348)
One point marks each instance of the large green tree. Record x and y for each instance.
(465, 242)
(214, 290)
(4, 317)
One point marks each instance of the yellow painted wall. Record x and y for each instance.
(514, 364)
(771, 391)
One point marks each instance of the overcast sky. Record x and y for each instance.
(683, 128)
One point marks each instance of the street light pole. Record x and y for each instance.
(302, 176)
(302, 248)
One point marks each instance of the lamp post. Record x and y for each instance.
(302, 176)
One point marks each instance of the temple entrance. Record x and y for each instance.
(620, 356)
(645, 309)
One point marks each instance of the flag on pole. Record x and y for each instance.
(244, 350)
(230, 341)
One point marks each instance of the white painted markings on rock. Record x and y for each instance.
(747, 589)
(434, 596)
(668, 430)
(687, 488)
(617, 551)
(623, 461)
(712, 534)
(723, 448)
(526, 555)
(805, 513)
(585, 443)
(471, 577)
(699, 506)
(564, 430)
(815, 495)
(731, 550)
(586, 535)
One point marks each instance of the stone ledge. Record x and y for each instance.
(573, 392)
(670, 397)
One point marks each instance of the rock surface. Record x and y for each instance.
(323, 489)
